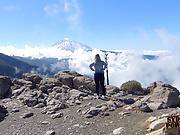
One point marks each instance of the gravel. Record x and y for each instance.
(71, 121)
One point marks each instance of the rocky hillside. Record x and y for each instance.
(67, 104)
(14, 68)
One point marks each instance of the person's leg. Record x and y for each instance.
(102, 84)
(96, 79)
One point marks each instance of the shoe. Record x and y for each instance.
(104, 97)
(98, 97)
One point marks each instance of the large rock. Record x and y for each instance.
(3, 112)
(111, 90)
(94, 111)
(17, 92)
(5, 84)
(65, 77)
(142, 106)
(23, 82)
(75, 74)
(151, 87)
(30, 101)
(76, 80)
(75, 93)
(84, 81)
(32, 77)
(157, 105)
(163, 92)
(85, 90)
(48, 83)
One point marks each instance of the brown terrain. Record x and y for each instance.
(67, 105)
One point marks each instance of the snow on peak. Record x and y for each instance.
(66, 39)
(69, 45)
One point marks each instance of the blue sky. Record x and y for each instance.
(101, 24)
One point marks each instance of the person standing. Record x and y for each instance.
(99, 66)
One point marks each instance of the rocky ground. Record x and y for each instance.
(133, 122)
(73, 122)
(64, 106)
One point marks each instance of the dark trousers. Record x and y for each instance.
(99, 78)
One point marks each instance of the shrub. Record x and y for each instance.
(131, 87)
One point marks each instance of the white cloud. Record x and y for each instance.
(66, 6)
(67, 10)
(35, 52)
(46, 8)
(167, 38)
(123, 67)
(129, 65)
(53, 9)
(71, 7)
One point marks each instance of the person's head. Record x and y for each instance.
(97, 59)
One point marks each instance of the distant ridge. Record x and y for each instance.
(12, 67)
(69, 45)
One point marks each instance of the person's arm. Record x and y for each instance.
(105, 65)
(91, 65)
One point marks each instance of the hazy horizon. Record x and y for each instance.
(124, 66)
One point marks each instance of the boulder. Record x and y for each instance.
(5, 84)
(145, 108)
(164, 92)
(151, 87)
(17, 92)
(30, 97)
(94, 111)
(26, 115)
(49, 83)
(23, 82)
(65, 78)
(58, 89)
(32, 77)
(30, 101)
(128, 100)
(157, 105)
(53, 102)
(111, 90)
(85, 90)
(142, 106)
(3, 112)
(40, 105)
(84, 81)
(57, 115)
(75, 74)
(77, 94)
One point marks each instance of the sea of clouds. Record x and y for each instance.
(124, 66)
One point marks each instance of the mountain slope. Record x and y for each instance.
(52, 64)
(69, 45)
(12, 67)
